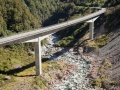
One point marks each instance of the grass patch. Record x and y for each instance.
(27, 72)
(4, 81)
(9, 57)
(99, 42)
(44, 41)
(41, 82)
(15, 61)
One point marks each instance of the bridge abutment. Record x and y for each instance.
(38, 60)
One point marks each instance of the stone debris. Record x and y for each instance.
(72, 78)
(24, 85)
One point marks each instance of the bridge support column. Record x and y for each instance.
(38, 61)
(91, 28)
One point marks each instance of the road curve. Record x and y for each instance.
(22, 37)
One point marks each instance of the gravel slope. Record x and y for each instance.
(111, 51)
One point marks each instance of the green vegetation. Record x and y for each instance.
(101, 40)
(4, 81)
(21, 15)
(88, 3)
(15, 17)
(41, 82)
(42, 9)
(96, 83)
(72, 35)
(98, 42)
(44, 41)
(10, 57)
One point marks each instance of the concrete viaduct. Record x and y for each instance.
(39, 34)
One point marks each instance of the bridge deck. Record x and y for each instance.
(46, 30)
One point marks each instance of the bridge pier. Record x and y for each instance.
(38, 60)
(91, 29)
(38, 49)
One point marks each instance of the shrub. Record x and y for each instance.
(102, 40)
(5, 66)
(40, 82)
(30, 54)
(107, 64)
(44, 41)
(96, 83)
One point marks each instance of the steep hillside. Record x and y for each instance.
(21, 15)
(88, 3)
(108, 25)
(111, 52)
(42, 9)
(112, 18)
(15, 17)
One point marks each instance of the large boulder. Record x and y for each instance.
(7, 77)
(15, 66)
(80, 50)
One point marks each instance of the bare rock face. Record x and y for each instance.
(15, 66)
(71, 50)
(80, 50)
(111, 52)
(7, 78)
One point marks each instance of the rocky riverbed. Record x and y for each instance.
(86, 65)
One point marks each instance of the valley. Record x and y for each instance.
(70, 60)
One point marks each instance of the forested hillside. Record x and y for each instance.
(15, 17)
(20, 15)
(86, 2)
(42, 9)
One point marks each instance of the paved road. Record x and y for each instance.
(18, 38)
